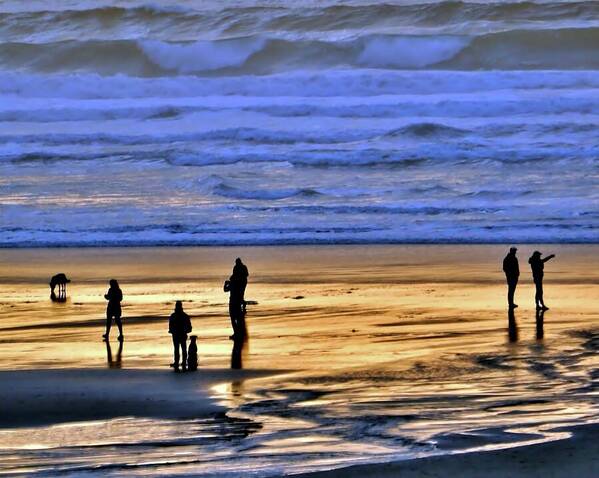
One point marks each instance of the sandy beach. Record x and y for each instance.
(356, 354)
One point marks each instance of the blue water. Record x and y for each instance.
(277, 122)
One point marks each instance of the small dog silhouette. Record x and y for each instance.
(192, 354)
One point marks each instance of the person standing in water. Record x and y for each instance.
(114, 296)
(537, 265)
(512, 272)
(179, 325)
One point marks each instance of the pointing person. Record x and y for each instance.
(537, 264)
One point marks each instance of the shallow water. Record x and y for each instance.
(395, 352)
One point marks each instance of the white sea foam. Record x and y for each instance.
(410, 52)
(201, 55)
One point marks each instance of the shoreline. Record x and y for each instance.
(573, 456)
(245, 244)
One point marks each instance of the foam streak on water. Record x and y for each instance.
(270, 122)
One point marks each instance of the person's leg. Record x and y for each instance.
(184, 352)
(108, 325)
(538, 293)
(119, 324)
(176, 348)
(510, 292)
(233, 315)
(540, 286)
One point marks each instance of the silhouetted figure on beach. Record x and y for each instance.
(60, 281)
(192, 354)
(512, 327)
(235, 287)
(117, 362)
(241, 274)
(114, 296)
(540, 323)
(179, 325)
(512, 272)
(537, 265)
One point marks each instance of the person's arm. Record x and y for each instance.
(549, 258)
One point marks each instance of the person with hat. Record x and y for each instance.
(537, 264)
(512, 273)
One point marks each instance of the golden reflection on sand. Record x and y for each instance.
(318, 307)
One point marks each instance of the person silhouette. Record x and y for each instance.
(179, 325)
(512, 272)
(114, 296)
(234, 286)
(537, 266)
(241, 273)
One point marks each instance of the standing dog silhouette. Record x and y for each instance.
(60, 281)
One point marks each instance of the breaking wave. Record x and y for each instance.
(569, 48)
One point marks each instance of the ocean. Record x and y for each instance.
(279, 122)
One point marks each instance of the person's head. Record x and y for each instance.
(513, 250)
(114, 284)
(238, 261)
(193, 338)
(536, 254)
(178, 306)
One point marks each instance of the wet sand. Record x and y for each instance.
(377, 295)
(395, 352)
(573, 456)
(44, 397)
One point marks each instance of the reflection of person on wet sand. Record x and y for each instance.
(117, 362)
(537, 266)
(114, 296)
(512, 272)
(512, 326)
(239, 347)
(540, 323)
(179, 325)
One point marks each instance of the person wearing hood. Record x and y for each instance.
(537, 265)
